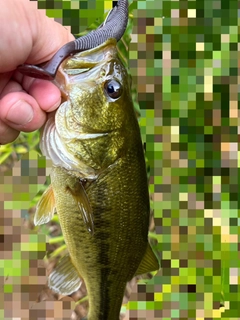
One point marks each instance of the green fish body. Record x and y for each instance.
(99, 183)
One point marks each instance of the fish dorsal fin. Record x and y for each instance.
(149, 262)
(80, 197)
(45, 208)
(64, 279)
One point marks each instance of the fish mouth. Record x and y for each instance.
(102, 48)
(85, 67)
(89, 59)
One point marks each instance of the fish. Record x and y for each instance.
(99, 185)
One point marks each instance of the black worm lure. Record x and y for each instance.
(113, 27)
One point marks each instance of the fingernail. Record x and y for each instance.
(55, 106)
(20, 113)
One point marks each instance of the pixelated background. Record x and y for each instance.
(184, 62)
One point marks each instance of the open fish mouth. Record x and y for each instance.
(86, 64)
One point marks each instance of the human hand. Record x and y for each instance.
(27, 36)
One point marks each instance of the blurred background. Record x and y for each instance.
(184, 62)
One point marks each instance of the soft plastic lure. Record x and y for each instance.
(113, 27)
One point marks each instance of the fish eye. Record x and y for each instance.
(113, 89)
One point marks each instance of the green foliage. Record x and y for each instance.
(13, 151)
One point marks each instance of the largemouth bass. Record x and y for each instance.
(99, 183)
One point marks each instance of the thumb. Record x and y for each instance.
(31, 37)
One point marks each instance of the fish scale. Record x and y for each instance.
(122, 258)
(99, 183)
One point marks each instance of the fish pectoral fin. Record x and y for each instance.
(83, 204)
(149, 262)
(45, 208)
(64, 279)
